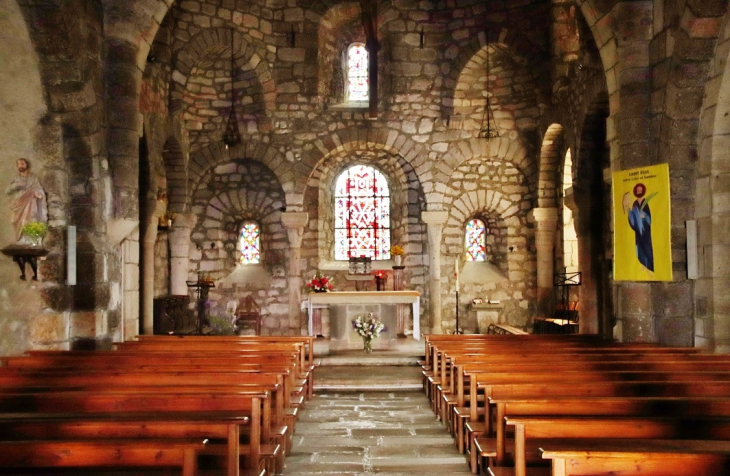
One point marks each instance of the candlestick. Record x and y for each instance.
(456, 273)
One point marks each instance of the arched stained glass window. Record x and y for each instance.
(357, 73)
(476, 233)
(362, 214)
(250, 243)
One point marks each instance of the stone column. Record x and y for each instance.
(182, 227)
(546, 222)
(580, 204)
(148, 267)
(294, 222)
(435, 223)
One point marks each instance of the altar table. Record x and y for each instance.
(368, 297)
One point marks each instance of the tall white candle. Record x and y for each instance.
(456, 273)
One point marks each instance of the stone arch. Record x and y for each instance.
(249, 54)
(175, 173)
(353, 139)
(513, 257)
(216, 154)
(605, 39)
(550, 160)
(501, 149)
(458, 56)
(229, 194)
(406, 194)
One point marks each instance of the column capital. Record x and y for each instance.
(294, 219)
(544, 215)
(435, 217)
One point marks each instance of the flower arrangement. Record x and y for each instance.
(320, 283)
(368, 327)
(34, 231)
(397, 250)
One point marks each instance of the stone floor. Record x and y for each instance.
(357, 433)
(369, 415)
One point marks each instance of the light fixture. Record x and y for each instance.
(231, 136)
(489, 127)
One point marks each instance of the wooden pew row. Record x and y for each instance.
(533, 433)
(431, 339)
(443, 354)
(454, 396)
(99, 454)
(303, 370)
(473, 414)
(450, 393)
(592, 406)
(304, 343)
(693, 386)
(151, 406)
(510, 352)
(121, 376)
(590, 390)
(639, 457)
(111, 361)
(85, 362)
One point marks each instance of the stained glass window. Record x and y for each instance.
(250, 243)
(357, 73)
(362, 214)
(476, 233)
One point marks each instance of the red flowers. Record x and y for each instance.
(320, 283)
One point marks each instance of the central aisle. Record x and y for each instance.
(388, 433)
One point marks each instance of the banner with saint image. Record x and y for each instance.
(642, 244)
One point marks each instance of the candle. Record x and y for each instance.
(456, 273)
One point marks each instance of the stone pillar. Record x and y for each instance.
(435, 223)
(294, 222)
(148, 267)
(182, 227)
(546, 222)
(580, 204)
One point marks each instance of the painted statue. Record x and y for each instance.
(28, 199)
(640, 221)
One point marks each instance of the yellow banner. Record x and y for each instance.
(642, 220)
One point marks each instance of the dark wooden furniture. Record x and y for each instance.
(248, 313)
(172, 315)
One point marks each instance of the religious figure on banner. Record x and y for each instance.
(639, 215)
(28, 198)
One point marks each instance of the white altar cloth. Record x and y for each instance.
(368, 297)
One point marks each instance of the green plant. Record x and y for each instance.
(221, 326)
(35, 229)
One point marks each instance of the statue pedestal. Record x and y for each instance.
(26, 254)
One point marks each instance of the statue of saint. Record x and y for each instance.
(28, 198)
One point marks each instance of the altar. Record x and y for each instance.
(345, 306)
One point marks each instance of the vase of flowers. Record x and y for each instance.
(397, 251)
(368, 327)
(34, 231)
(320, 283)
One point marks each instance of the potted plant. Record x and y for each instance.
(35, 231)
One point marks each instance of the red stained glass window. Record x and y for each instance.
(362, 214)
(476, 233)
(250, 243)
(357, 73)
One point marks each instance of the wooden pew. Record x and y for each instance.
(534, 432)
(600, 406)
(99, 454)
(248, 404)
(638, 457)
